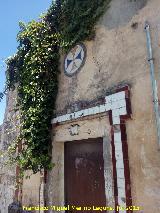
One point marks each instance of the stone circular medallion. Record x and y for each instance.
(74, 60)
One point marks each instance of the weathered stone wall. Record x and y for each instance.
(118, 56)
(8, 132)
(31, 190)
(7, 173)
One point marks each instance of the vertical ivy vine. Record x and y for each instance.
(35, 69)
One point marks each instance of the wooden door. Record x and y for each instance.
(84, 174)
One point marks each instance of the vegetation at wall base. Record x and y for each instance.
(35, 68)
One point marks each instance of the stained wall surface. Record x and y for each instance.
(31, 190)
(7, 173)
(116, 57)
(8, 133)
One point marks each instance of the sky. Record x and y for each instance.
(11, 12)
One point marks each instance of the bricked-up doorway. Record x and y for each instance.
(84, 174)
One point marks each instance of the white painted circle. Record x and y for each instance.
(74, 59)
